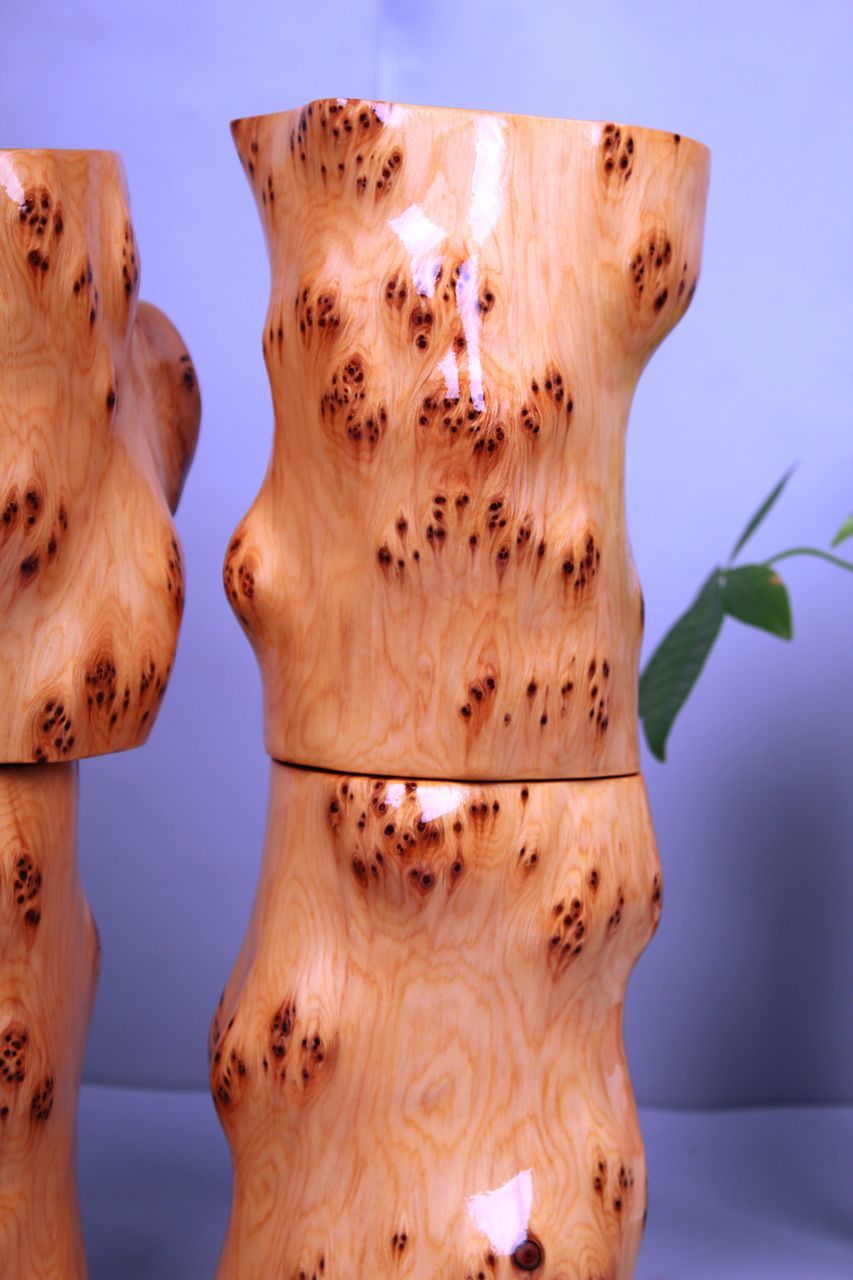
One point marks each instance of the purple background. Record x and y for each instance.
(744, 996)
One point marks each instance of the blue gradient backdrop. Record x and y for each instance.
(744, 996)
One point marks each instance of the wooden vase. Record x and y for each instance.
(99, 412)
(418, 1059)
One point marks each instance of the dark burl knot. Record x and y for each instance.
(528, 1256)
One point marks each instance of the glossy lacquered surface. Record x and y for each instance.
(99, 410)
(418, 1058)
(48, 970)
(436, 575)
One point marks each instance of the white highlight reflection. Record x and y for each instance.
(394, 793)
(9, 180)
(487, 183)
(468, 306)
(422, 237)
(450, 370)
(503, 1214)
(438, 799)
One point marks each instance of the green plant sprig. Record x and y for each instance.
(751, 593)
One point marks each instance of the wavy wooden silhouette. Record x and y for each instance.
(99, 407)
(99, 411)
(436, 576)
(418, 1058)
(48, 970)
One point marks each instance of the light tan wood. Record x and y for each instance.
(48, 970)
(436, 575)
(99, 411)
(427, 1010)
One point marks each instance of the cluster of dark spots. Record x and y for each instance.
(281, 1034)
(390, 847)
(316, 1273)
(187, 372)
(53, 731)
(338, 142)
(26, 886)
(232, 580)
(396, 291)
(268, 191)
(399, 1240)
(344, 402)
(599, 1175)
(175, 574)
(593, 880)
(316, 312)
(334, 815)
(41, 1103)
(655, 277)
(481, 693)
(43, 224)
(488, 1264)
(10, 512)
(624, 1186)
(650, 266)
(228, 1068)
(568, 933)
(460, 419)
(528, 858)
(656, 891)
(100, 679)
(420, 324)
(129, 261)
(84, 279)
(312, 1056)
(246, 579)
(486, 301)
(597, 681)
(615, 918)
(616, 153)
(14, 1048)
(579, 570)
(388, 172)
(549, 401)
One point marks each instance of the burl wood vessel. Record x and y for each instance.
(99, 412)
(418, 1059)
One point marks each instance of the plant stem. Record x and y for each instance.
(811, 551)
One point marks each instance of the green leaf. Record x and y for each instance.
(845, 532)
(755, 594)
(674, 667)
(761, 513)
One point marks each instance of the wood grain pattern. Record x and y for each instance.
(436, 575)
(48, 971)
(99, 411)
(418, 1059)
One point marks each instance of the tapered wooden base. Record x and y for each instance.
(418, 1059)
(48, 971)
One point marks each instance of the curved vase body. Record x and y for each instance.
(48, 970)
(99, 411)
(418, 1060)
(461, 306)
